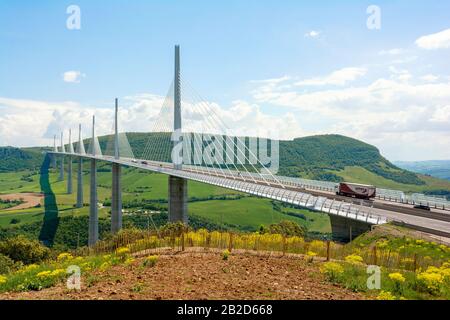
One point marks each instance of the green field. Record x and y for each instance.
(361, 175)
(245, 213)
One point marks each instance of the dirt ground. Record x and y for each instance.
(201, 276)
(30, 200)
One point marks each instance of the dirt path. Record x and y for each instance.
(203, 276)
(30, 200)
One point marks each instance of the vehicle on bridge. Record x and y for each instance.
(356, 190)
(422, 207)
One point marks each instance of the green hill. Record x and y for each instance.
(15, 159)
(324, 157)
(435, 168)
(319, 157)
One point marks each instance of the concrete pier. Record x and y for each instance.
(177, 186)
(69, 176)
(93, 210)
(61, 169)
(54, 157)
(93, 201)
(116, 199)
(345, 230)
(54, 161)
(116, 195)
(80, 199)
(178, 199)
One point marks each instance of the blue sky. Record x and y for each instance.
(231, 53)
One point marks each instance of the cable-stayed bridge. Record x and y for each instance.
(190, 141)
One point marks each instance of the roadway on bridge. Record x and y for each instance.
(392, 211)
(435, 214)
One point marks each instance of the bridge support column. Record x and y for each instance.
(116, 199)
(80, 200)
(345, 229)
(93, 212)
(178, 200)
(61, 170)
(54, 163)
(69, 176)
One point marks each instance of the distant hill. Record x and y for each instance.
(435, 168)
(15, 159)
(323, 157)
(316, 157)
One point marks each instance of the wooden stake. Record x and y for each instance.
(328, 250)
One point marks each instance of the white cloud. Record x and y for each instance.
(398, 116)
(441, 115)
(392, 52)
(137, 113)
(242, 119)
(440, 40)
(73, 76)
(430, 78)
(338, 78)
(44, 119)
(312, 34)
(272, 81)
(400, 75)
(405, 60)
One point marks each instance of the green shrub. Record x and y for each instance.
(21, 249)
(332, 270)
(6, 264)
(14, 221)
(225, 254)
(150, 261)
(287, 228)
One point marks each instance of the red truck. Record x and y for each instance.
(356, 190)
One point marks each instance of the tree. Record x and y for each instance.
(21, 249)
(287, 228)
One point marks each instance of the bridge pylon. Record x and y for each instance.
(116, 196)
(55, 150)
(80, 150)
(93, 201)
(69, 165)
(177, 186)
(61, 167)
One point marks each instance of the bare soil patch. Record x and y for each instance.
(30, 200)
(201, 276)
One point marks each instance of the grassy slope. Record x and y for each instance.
(324, 157)
(358, 174)
(248, 212)
(435, 168)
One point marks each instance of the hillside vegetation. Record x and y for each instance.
(435, 168)
(56, 222)
(326, 157)
(276, 263)
(316, 156)
(15, 159)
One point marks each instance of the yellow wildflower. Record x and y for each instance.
(431, 280)
(397, 277)
(385, 295)
(65, 256)
(332, 270)
(44, 274)
(58, 272)
(354, 259)
(150, 261)
(123, 251)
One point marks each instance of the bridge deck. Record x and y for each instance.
(273, 190)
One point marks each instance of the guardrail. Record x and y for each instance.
(302, 199)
